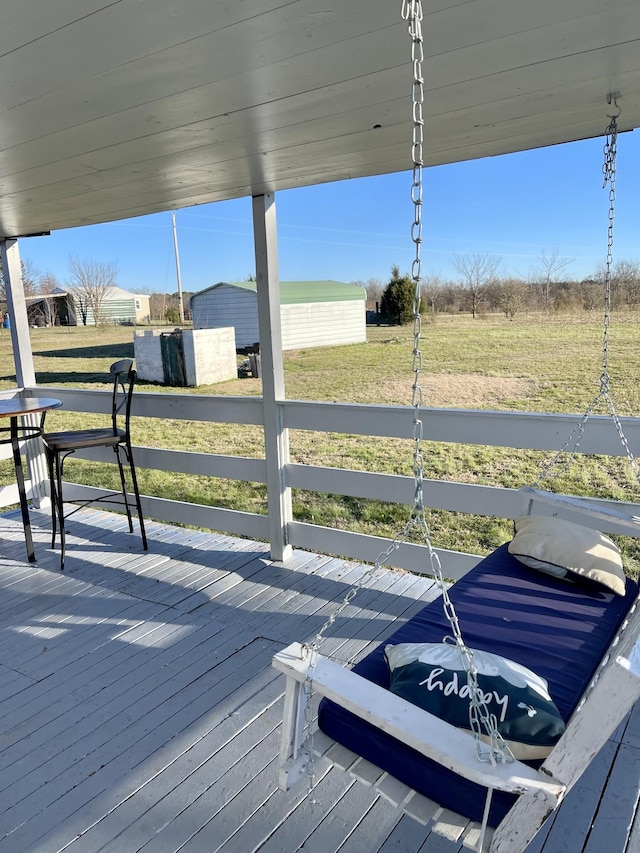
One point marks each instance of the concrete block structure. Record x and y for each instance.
(206, 356)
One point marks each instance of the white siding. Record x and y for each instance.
(227, 306)
(322, 324)
(117, 311)
(311, 324)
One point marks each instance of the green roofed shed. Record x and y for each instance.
(313, 313)
(298, 292)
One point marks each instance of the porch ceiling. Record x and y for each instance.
(116, 108)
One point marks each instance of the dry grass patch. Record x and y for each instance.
(458, 391)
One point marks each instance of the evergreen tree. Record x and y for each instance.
(397, 299)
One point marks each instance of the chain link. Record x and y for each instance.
(572, 445)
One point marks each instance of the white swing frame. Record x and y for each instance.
(606, 702)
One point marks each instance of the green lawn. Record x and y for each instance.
(528, 364)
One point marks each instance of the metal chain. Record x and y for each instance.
(572, 444)
(483, 724)
(610, 152)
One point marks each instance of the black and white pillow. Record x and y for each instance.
(431, 676)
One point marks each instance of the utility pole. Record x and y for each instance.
(175, 248)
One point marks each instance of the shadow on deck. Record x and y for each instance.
(140, 711)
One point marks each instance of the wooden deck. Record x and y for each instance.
(139, 710)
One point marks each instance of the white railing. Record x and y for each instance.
(499, 429)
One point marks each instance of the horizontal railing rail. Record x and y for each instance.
(519, 430)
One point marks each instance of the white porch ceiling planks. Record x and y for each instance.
(115, 109)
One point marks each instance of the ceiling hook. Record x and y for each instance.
(613, 99)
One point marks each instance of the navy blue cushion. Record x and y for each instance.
(558, 630)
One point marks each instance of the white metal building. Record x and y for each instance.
(312, 313)
(65, 307)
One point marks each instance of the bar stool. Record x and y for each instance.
(60, 445)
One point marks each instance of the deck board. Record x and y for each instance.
(139, 710)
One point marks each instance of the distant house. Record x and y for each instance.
(60, 307)
(312, 313)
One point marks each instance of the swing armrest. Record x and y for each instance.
(584, 506)
(432, 737)
(612, 696)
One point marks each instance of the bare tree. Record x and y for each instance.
(30, 280)
(374, 288)
(626, 282)
(590, 290)
(164, 308)
(50, 305)
(31, 277)
(48, 283)
(510, 296)
(157, 304)
(551, 265)
(478, 272)
(431, 290)
(89, 283)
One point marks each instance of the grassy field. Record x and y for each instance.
(529, 364)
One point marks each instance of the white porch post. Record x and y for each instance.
(276, 437)
(17, 307)
(23, 357)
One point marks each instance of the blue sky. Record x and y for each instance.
(516, 207)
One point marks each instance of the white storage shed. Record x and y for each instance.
(313, 313)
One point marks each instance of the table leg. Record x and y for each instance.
(17, 461)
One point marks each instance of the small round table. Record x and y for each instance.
(14, 408)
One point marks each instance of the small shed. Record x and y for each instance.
(312, 313)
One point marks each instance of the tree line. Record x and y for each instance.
(481, 288)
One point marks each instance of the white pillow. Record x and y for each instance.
(567, 550)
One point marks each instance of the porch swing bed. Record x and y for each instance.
(581, 638)
(559, 630)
